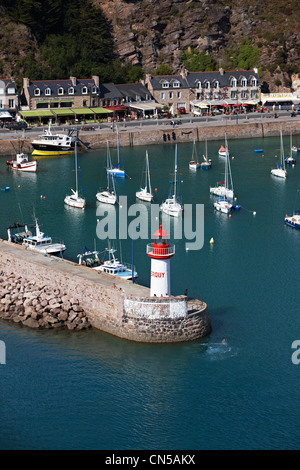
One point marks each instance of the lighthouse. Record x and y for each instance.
(160, 252)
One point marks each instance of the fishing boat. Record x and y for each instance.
(293, 220)
(145, 193)
(106, 195)
(223, 204)
(22, 163)
(110, 266)
(280, 171)
(74, 200)
(290, 160)
(38, 242)
(194, 164)
(206, 164)
(116, 170)
(54, 144)
(172, 206)
(224, 188)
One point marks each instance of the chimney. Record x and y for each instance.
(183, 71)
(221, 70)
(26, 83)
(96, 80)
(73, 80)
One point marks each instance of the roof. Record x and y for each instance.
(65, 84)
(109, 91)
(134, 91)
(192, 78)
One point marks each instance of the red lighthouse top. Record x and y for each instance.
(160, 249)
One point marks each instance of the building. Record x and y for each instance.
(199, 92)
(9, 98)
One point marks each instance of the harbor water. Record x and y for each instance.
(236, 389)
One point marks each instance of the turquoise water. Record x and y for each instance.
(90, 390)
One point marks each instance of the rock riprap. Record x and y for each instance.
(35, 305)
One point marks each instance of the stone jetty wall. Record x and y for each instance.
(164, 133)
(46, 292)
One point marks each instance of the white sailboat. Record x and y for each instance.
(74, 200)
(225, 188)
(145, 194)
(172, 206)
(106, 195)
(280, 171)
(206, 164)
(291, 160)
(115, 170)
(224, 150)
(194, 164)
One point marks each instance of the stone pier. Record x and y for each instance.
(42, 291)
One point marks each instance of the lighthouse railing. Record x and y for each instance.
(153, 249)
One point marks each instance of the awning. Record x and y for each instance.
(82, 111)
(5, 114)
(145, 106)
(116, 108)
(37, 113)
(100, 110)
(63, 112)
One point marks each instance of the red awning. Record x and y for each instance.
(116, 108)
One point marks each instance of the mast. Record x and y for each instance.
(148, 173)
(76, 175)
(175, 182)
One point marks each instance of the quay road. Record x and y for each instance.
(185, 121)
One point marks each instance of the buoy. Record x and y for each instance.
(44, 197)
(155, 189)
(223, 340)
(41, 196)
(254, 213)
(229, 216)
(211, 241)
(19, 186)
(97, 221)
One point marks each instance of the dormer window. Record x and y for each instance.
(94, 89)
(176, 84)
(61, 91)
(37, 92)
(165, 84)
(233, 82)
(243, 82)
(216, 85)
(84, 90)
(71, 90)
(47, 91)
(207, 85)
(199, 86)
(253, 82)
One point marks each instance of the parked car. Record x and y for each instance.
(182, 110)
(14, 125)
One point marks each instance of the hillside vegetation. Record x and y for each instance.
(121, 40)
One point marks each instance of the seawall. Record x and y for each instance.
(45, 291)
(163, 133)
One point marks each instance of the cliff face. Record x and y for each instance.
(152, 32)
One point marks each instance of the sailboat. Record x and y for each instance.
(225, 188)
(106, 195)
(206, 164)
(291, 160)
(115, 170)
(294, 220)
(74, 200)
(280, 171)
(144, 194)
(194, 164)
(172, 206)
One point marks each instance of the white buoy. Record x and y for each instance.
(254, 213)
(211, 241)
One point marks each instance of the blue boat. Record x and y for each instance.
(258, 150)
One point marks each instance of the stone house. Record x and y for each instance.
(9, 98)
(201, 90)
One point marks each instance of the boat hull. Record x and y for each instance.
(117, 173)
(79, 203)
(106, 198)
(147, 197)
(279, 173)
(293, 222)
(53, 152)
(28, 167)
(194, 165)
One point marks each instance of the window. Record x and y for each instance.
(199, 85)
(253, 93)
(233, 95)
(1, 91)
(176, 84)
(84, 90)
(171, 95)
(11, 91)
(165, 85)
(94, 89)
(37, 92)
(162, 96)
(233, 82)
(48, 91)
(178, 94)
(253, 82)
(71, 90)
(1, 105)
(244, 94)
(243, 82)
(60, 91)
(216, 84)
(137, 98)
(11, 103)
(207, 85)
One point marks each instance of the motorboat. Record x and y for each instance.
(106, 195)
(74, 199)
(145, 193)
(110, 266)
(22, 163)
(171, 205)
(53, 144)
(293, 220)
(223, 204)
(194, 164)
(38, 242)
(280, 171)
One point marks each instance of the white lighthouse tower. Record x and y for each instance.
(160, 252)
